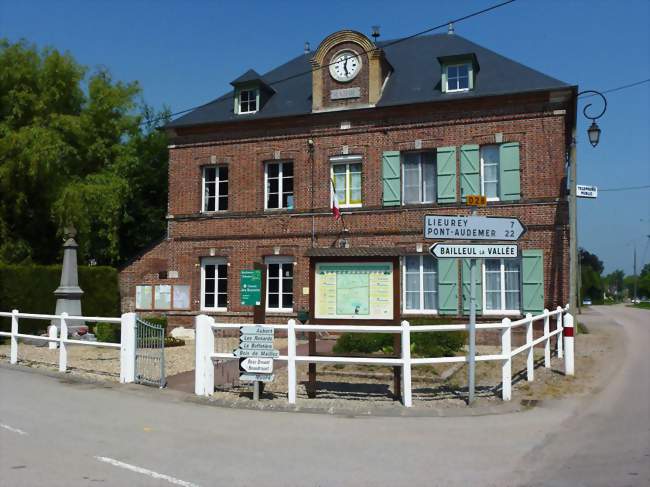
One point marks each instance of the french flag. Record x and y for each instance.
(335, 203)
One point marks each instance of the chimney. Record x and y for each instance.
(450, 29)
(307, 47)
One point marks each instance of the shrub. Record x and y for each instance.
(430, 344)
(108, 332)
(156, 321)
(174, 342)
(29, 289)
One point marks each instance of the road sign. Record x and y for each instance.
(249, 377)
(476, 200)
(256, 330)
(238, 352)
(258, 365)
(255, 346)
(250, 287)
(583, 191)
(472, 228)
(474, 251)
(256, 338)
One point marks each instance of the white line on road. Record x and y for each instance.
(12, 429)
(145, 471)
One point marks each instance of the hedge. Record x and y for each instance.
(425, 344)
(29, 289)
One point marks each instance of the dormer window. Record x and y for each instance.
(458, 73)
(251, 93)
(458, 77)
(248, 101)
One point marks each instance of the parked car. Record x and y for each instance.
(586, 302)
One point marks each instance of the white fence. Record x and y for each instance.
(205, 354)
(126, 345)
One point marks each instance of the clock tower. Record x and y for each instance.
(349, 72)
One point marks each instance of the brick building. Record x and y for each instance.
(396, 131)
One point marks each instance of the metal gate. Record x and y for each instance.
(149, 354)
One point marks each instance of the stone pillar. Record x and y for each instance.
(68, 294)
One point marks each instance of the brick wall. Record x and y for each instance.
(246, 233)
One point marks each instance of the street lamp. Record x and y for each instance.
(593, 132)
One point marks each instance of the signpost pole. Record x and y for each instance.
(472, 332)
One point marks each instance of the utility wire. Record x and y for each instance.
(619, 88)
(392, 43)
(629, 188)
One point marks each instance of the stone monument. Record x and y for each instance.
(68, 294)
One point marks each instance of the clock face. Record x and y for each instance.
(345, 65)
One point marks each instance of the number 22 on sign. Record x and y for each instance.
(476, 200)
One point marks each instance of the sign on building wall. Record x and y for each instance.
(361, 290)
(250, 287)
(584, 191)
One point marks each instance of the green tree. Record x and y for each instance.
(614, 282)
(591, 268)
(75, 149)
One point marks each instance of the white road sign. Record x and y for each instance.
(257, 364)
(238, 352)
(256, 330)
(473, 251)
(583, 191)
(250, 377)
(255, 346)
(256, 338)
(472, 228)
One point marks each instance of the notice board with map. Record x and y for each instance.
(354, 290)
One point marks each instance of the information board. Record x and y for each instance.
(354, 290)
(250, 287)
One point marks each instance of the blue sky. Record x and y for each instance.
(185, 53)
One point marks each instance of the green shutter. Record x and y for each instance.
(532, 278)
(466, 285)
(509, 173)
(390, 173)
(470, 182)
(447, 286)
(446, 173)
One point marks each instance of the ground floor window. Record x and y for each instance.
(214, 284)
(502, 285)
(420, 284)
(279, 284)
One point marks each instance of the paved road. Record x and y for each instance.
(54, 431)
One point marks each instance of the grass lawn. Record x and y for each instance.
(643, 305)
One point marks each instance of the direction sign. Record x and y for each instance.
(256, 330)
(256, 339)
(256, 346)
(249, 377)
(238, 352)
(474, 251)
(472, 228)
(257, 365)
(583, 191)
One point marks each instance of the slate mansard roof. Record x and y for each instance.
(415, 78)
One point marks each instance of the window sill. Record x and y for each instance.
(214, 212)
(462, 90)
(214, 310)
(414, 312)
(347, 207)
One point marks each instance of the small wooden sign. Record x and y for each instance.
(476, 200)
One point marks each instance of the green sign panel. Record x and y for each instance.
(250, 288)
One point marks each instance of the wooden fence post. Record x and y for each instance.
(530, 360)
(204, 348)
(558, 326)
(127, 348)
(506, 367)
(13, 355)
(52, 333)
(406, 364)
(547, 343)
(63, 347)
(291, 361)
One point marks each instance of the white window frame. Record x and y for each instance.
(276, 259)
(217, 194)
(469, 77)
(256, 91)
(346, 160)
(280, 185)
(213, 261)
(502, 275)
(482, 175)
(420, 311)
(420, 179)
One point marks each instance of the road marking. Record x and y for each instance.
(145, 471)
(12, 429)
